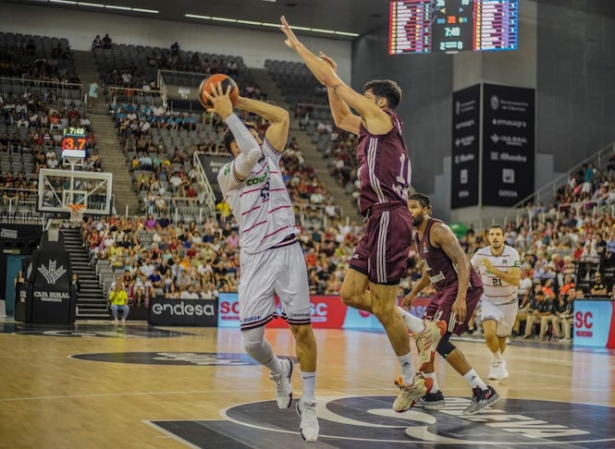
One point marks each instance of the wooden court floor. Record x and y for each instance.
(98, 386)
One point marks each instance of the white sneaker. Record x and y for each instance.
(283, 388)
(309, 421)
(502, 371)
(494, 368)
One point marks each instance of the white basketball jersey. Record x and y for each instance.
(261, 204)
(497, 290)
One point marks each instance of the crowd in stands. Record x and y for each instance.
(20, 62)
(164, 173)
(181, 260)
(564, 257)
(130, 76)
(30, 139)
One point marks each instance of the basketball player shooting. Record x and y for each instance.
(381, 256)
(500, 269)
(272, 260)
(459, 289)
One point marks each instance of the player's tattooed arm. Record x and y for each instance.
(444, 237)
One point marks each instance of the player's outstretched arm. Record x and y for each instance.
(376, 120)
(342, 115)
(277, 133)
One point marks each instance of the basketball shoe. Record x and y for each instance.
(410, 394)
(481, 399)
(283, 388)
(497, 370)
(427, 342)
(432, 401)
(309, 421)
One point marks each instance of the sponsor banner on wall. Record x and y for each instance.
(508, 144)
(212, 166)
(326, 312)
(466, 148)
(183, 312)
(593, 324)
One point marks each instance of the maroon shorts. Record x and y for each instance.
(382, 253)
(441, 306)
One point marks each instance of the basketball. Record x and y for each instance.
(211, 82)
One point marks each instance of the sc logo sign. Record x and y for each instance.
(227, 307)
(319, 309)
(584, 320)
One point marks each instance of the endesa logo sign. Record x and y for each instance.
(326, 312)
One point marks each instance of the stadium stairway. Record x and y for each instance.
(91, 304)
(312, 156)
(108, 144)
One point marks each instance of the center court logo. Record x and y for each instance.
(365, 420)
(183, 309)
(171, 358)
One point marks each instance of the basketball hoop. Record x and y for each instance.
(76, 212)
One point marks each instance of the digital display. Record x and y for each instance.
(73, 142)
(424, 26)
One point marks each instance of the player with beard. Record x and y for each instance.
(500, 268)
(459, 289)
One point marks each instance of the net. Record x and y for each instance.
(76, 212)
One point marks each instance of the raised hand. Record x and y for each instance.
(291, 40)
(328, 60)
(220, 101)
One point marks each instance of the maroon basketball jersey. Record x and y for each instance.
(441, 269)
(385, 170)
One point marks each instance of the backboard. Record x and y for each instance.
(57, 189)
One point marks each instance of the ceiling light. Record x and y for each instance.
(224, 19)
(194, 16)
(249, 22)
(269, 25)
(98, 5)
(270, 1)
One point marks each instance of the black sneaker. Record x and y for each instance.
(481, 399)
(432, 401)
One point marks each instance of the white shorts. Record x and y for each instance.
(280, 271)
(504, 314)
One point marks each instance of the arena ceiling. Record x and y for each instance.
(354, 17)
(350, 16)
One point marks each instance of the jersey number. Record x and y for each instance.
(265, 192)
(402, 190)
(497, 282)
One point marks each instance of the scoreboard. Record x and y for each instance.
(425, 26)
(73, 142)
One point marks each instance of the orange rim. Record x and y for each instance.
(75, 207)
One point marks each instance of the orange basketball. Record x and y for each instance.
(209, 83)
